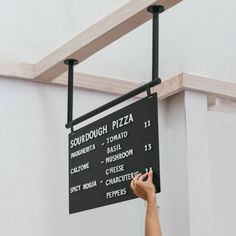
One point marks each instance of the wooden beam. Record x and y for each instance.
(221, 94)
(184, 81)
(98, 36)
(98, 83)
(170, 87)
(218, 88)
(117, 86)
(16, 70)
(166, 89)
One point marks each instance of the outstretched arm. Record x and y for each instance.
(144, 188)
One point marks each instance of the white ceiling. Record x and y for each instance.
(30, 30)
(195, 36)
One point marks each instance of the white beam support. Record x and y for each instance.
(199, 172)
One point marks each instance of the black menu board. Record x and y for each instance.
(105, 155)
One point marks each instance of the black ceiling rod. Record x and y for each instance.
(71, 63)
(155, 10)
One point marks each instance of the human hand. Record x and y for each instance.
(143, 187)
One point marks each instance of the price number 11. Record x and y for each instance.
(147, 124)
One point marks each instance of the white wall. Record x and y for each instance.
(34, 167)
(222, 133)
(173, 200)
(196, 36)
(197, 174)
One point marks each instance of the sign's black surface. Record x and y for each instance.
(105, 155)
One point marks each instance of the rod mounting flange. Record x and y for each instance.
(71, 61)
(155, 9)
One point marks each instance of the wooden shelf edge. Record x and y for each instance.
(215, 87)
(221, 94)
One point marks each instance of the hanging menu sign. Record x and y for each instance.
(105, 155)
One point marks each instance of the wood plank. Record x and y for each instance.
(221, 94)
(16, 70)
(170, 87)
(98, 36)
(99, 83)
(117, 86)
(219, 88)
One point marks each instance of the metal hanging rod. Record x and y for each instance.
(114, 102)
(155, 10)
(71, 63)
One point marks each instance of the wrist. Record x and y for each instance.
(151, 200)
